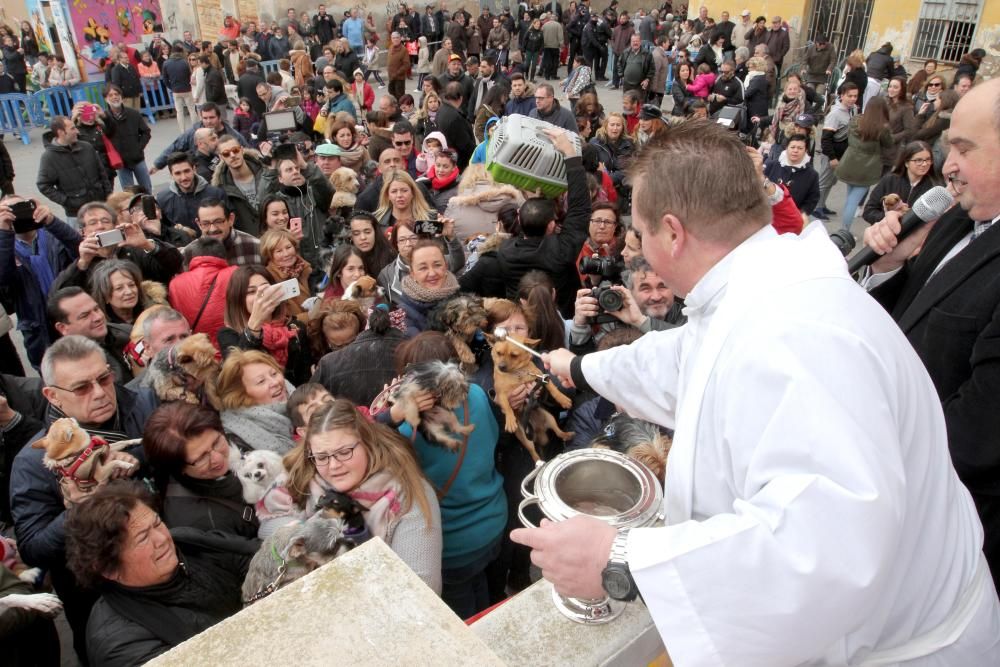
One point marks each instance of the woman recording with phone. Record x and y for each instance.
(257, 318)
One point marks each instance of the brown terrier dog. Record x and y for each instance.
(188, 371)
(76, 457)
(513, 367)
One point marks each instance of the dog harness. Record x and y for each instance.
(264, 591)
(95, 446)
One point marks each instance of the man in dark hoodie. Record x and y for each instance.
(70, 172)
(187, 190)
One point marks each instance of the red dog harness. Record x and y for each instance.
(95, 446)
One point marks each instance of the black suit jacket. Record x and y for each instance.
(953, 322)
(457, 131)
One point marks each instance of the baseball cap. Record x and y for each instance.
(805, 120)
(329, 150)
(649, 112)
(454, 56)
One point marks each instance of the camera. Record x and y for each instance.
(609, 300)
(844, 240)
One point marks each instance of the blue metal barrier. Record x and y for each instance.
(269, 66)
(49, 102)
(156, 97)
(15, 115)
(92, 92)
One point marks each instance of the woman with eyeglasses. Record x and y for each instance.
(603, 240)
(911, 176)
(187, 449)
(344, 451)
(923, 102)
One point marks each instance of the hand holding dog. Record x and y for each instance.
(572, 554)
(557, 362)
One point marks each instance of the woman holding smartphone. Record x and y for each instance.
(257, 318)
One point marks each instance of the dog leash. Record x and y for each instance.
(264, 591)
(443, 491)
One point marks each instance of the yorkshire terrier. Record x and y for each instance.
(188, 371)
(639, 440)
(450, 387)
(513, 367)
(459, 318)
(78, 458)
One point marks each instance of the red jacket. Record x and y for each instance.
(785, 215)
(368, 95)
(188, 291)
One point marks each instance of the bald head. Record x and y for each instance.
(974, 139)
(205, 140)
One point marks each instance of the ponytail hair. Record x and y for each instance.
(535, 292)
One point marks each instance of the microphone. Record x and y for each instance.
(931, 206)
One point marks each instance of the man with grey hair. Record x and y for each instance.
(205, 159)
(79, 384)
(163, 328)
(157, 260)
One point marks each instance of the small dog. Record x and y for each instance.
(258, 471)
(365, 291)
(292, 552)
(459, 318)
(342, 506)
(187, 371)
(345, 185)
(75, 456)
(637, 439)
(450, 388)
(893, 202)
(512, 367)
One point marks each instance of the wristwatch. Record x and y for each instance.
(616, 578)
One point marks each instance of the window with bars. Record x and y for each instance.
(946, 29)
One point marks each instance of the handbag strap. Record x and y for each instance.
(211, 288)
(443, 491)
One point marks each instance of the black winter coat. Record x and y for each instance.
(457, 131)
(176, 73)
(802, 183)
(215, 87)
(71, 176)
(246, 213)
(555, 254)
(129, 134)
(127, 78)
(894, 184)
(160, 265)
(14, 62)
(359, 371)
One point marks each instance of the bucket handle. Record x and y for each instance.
(532, 500)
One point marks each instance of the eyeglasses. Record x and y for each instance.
(603, 222)
(208, 224)
(231, 152)
(343, 454)
(936, 84)
(400, 144)
(220, 446)
(921, 160)
(409, 240)
(85, 388)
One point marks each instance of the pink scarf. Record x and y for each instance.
(381, 495)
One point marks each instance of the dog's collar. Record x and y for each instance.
(264, 591)
(96, 443)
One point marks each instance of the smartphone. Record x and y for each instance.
(295, 226)
(292, 101)
(24, 216)
(110, 238)
(149, 207)
(430, 228)
(289, 289)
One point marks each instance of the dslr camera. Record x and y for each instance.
(609, 300)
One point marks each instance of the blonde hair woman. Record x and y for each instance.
(425, 121)
(615, 147)
(253, 393)
(400, 200)
(280, 251)
(375, 465)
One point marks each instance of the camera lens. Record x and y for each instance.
(610, 300)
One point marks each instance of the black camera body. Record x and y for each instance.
(609, 300)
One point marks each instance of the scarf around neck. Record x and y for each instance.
(261, 426)
(430, 295)
(439, 183)
(383, 497)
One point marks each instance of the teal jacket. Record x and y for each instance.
(474, 512)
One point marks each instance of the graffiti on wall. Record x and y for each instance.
(100, 24)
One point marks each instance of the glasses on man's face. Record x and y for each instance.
(230, 153)
(921, 160)
(220, 446)
(208, 224)
(343, 454)
(401, 144)
(85, 388)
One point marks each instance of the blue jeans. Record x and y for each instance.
(465, 589)
(855, 195)
(139, 172)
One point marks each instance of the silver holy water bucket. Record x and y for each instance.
(600, 483)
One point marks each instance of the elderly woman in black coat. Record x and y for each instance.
(157, 589)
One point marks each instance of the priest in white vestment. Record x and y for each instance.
(813, 514)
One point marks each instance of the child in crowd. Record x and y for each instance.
(244, 119)
(433, 143)
(703, 82)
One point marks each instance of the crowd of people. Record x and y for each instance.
(324, 258)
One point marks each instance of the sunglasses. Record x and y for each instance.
(402, 143)
(86, 388)
(934, 85)
(231, 152)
